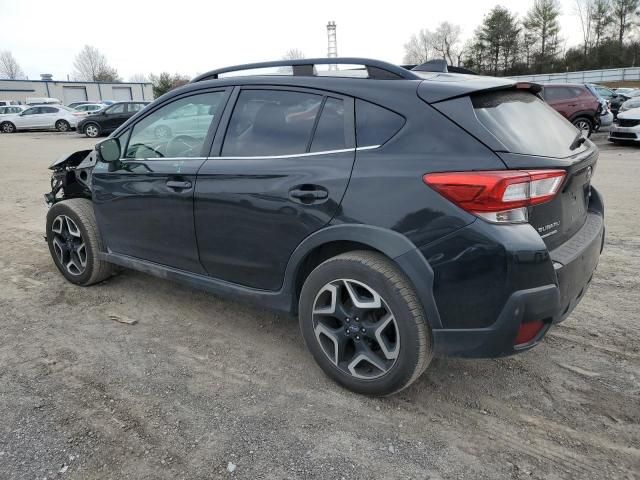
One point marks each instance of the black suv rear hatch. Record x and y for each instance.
(527, 134)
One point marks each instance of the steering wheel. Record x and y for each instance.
(182, 146)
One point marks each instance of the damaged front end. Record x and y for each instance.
(71, 176)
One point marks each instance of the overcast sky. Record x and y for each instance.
(190, 37)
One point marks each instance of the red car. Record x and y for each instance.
(574, 102)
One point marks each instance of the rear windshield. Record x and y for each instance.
(525, 124)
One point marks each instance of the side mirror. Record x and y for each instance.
(109, 150)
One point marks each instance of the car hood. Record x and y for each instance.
(632, 114)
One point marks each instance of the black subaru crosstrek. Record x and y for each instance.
(401, 214)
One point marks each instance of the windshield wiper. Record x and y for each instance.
(579, 140)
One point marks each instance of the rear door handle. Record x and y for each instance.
(178, 184)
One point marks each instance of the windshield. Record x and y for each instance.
(525, 124)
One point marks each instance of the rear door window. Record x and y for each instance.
(557, 94)
(375, 125)
(116, 109)
(271, 122)
(525, 124)
(331, 132)
(134, 107)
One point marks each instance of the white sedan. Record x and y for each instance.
(628, 127)
(40, 117)
(85, 109)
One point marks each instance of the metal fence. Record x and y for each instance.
(588, 76)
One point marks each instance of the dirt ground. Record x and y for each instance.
(201, 384)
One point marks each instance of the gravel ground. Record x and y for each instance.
(201, 384)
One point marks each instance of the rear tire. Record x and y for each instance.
(74, 242)
(584, 124)
(7, 127)
(91, 130)
(63, 126)
(363, 323)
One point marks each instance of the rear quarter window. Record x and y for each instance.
(375, 125)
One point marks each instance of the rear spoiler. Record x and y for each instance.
(439, 66)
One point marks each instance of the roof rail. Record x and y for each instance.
(376, 69)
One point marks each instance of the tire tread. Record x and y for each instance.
(83, 208)
(399, 281)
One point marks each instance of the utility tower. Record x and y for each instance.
(332, 51)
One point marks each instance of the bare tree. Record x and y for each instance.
(446, 40)
(9, 67)
(91, 65)
(602, 19)
(419, 48)
(293, 54)
(584, 10)
(138, 78)
(624, 11)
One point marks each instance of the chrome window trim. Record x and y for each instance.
(267, 157)
(296, 155)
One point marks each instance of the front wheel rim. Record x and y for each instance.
(63, 126)
(91, 131)
(68, 245)
(355, 329)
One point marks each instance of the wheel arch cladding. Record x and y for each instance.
(338, 239)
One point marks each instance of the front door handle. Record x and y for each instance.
(178, 184)
(308, 194)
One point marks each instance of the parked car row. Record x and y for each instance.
(92, 119)
(589, 106)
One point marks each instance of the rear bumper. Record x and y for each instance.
(574, 263)
(606, 120)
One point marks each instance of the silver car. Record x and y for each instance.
(628, 127)
(630, 104)
(39, 117)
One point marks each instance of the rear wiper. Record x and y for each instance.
(579, 140)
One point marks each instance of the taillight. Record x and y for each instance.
(500, 196)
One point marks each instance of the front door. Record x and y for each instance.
(31, 118)
(284, 166)
(144, 202)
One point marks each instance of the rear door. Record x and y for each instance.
(562, 99)
(277, 174)
(48, 116)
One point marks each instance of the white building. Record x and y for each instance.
(68, 92)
